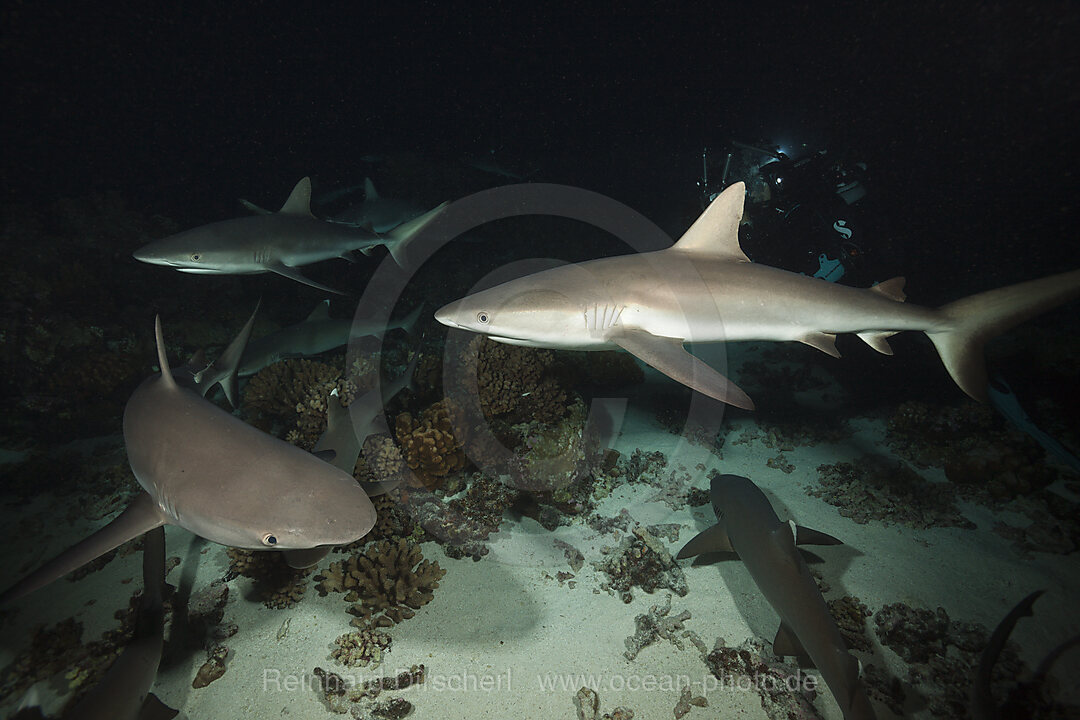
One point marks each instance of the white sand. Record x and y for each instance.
(500, 627)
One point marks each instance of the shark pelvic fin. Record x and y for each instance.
(299, 202)
(140, 516)
(710, 540)
(670, 357)
(294, 274)
(967, 324)
(716, 232)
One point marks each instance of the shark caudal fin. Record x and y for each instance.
(399, 238)
(969, 323)
(224, 370)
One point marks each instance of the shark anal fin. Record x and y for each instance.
(878, 341)
(808, 536)
(305, 558)
(714, 539)
(140, 516)
(825, 342)
(294, 274)
(669, 357)
(787, 643)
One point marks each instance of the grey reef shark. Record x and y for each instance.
(279, 242)
(748, 525)
(705, 289)
(316, 335)
(376, 212)
(209, 472)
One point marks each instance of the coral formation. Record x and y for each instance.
(892, 493)
(587, 705)
(513, 382)
(850, 615)
(213, 668)
(342, 697)
(656, 624)
(942, 655)
(783, 688)
(361, 648)
(640, 560)
(277, 585)
(429, 445)
(386, 583)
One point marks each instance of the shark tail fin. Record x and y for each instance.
(224, 370)
(969, 323)
(400, 237)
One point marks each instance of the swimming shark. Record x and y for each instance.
(705, 289)
(378, 213)
(279, 243)
(748, 525)
(315, 335)
(124, 692)
(209, 472)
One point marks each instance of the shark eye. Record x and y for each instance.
(482, 317)
(269, 540)
(195, 257)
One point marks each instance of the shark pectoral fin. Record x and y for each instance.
(381, 487)
(294, 274)
(154, 709)
(877, 340)
(349, 255)
(139, 517)
(300, 559)
(670, 357)
(825, 342)
(787, 643)
(714, 539)
(808, 536)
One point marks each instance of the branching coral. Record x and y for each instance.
(641, 560)
(386, 583)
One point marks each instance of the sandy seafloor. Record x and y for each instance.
(498, 629)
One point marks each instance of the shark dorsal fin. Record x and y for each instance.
(369, 190)
(321, 312)
(892, 289)
(163, 360)
(299, 202)
(716, 232)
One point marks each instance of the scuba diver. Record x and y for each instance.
(800, 213)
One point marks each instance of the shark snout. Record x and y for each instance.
(448, 313)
